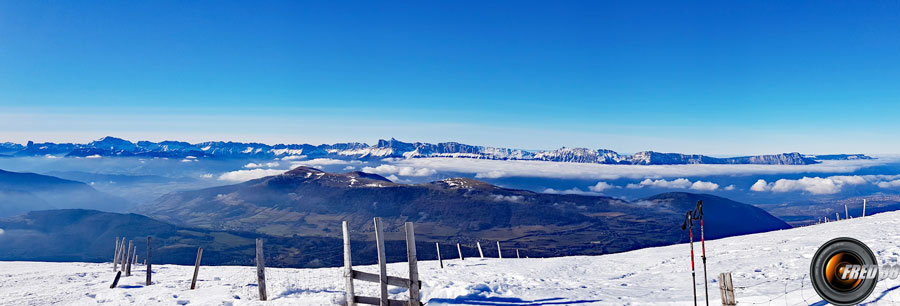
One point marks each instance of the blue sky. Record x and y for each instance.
(700, 77)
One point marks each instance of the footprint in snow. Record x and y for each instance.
(397, 290)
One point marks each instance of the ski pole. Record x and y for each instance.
(699, 211)
(689, 224)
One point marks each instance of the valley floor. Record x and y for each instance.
(767, 268)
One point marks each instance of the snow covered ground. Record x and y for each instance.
(768, 268)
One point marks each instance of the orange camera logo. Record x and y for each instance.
(844, 271)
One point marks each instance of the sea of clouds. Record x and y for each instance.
(674, 177)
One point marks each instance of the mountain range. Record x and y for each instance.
(310, 202)
(23, 192)
(112, 146)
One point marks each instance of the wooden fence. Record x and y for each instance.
(382, 278)
(125, 256)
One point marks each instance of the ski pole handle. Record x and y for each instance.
(698, 210)
(688, 220)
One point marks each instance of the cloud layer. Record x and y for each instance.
(573, 190)
(261, 165)
(601, 186)
(680, 183)
(493, 169)
(246, 175)
(825, 185)
(387, 169)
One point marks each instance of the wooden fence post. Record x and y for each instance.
(499, 253)
(261, 269)
(458, 249)
(122, 253)
(726, 289)
(517, 254)
(438, 247)
(120, 266)
(382, 261)
(413, 264)
(116, 255)
(480, 253)
(846, 212)
(348, 266)
(196, 268)
(116, 280)
(149, 264)
(128, 257)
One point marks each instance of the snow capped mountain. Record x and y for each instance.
(393, 148)
(581, 155)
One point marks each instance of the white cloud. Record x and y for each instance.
(729, 187)
(207, 175)
(680, 183)
(262, 165)
(704, 186)
(408, 171)
(601, 186)
(246, 175)
(94, 156)
(294, 157)
(760, 185)
(525, 168)
(395, 179)
(574, 190)
(813, 185)
(889, 184)
(381, 169)
(490, 174)
(348, 168)
(510, 198)
(1, 231)
(401, 171)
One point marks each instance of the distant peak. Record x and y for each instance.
(110, 138)
(301, 170)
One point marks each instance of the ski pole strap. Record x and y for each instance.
(698, 210)
(688, 220)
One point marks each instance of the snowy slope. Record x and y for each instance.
(764, 266)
